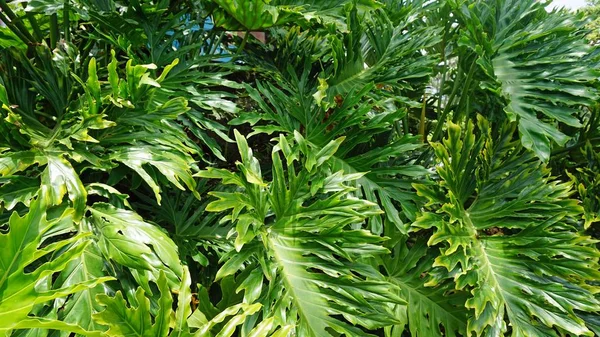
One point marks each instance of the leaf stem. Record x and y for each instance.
(243, 45)
(66, 22)
(574, 147)
(34, 24)
(14, 23)
(53, 30)
(422, 122)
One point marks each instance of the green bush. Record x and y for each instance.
(369, 168)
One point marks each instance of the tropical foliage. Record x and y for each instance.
(370, 168)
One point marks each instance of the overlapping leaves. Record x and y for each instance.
(262, 14)
(70, 141)
(508, 236)
(25, 263)
(73, 130)
(138, 319)
(430, 311)
(535, 60)
(357, 95)
(298, 228)
(292, 246)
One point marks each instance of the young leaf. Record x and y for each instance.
(124, 320)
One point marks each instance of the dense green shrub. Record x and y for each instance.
(392, 168)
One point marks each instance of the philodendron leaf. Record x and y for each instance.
(78, 309)
(140, 320)
(58, 177)
(536, 62)
(239, 313)
(505, 233)
(18, 189)
(430, 311)
(125, 238)
(184, 309)
(19, 290)
(52, 324)
(62, 179)
(13, 162)
(318, 282)
(250, 14)
(124, 320)
(175, 166)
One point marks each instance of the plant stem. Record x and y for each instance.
(467, 85)
(53, 30)
(574, 147)
(444, 69)
(439, 126)
(15, 21)
(66, 22)
(244, 41)
(13, 29)
(422, 122)
(39, 36)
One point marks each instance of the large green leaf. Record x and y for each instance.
(250, 14)
(361, 93)
(140, 320)
(429, 311)
(389, 186)
(125, 238)
(13, 162)
(175, 166)
(385, 183)
(43, 325)
(78, 309)
(535, 60)
(377, 50)
(310, 253)
(587, 181)
(506, 235)
(136, 321)
(18, 189)
(22, 247)
(328, 11)
(61, 179)
(240, 313)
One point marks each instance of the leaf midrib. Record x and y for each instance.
(284, 263)
(480, 251)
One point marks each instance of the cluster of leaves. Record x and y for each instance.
(591, 12)
(372, 168)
